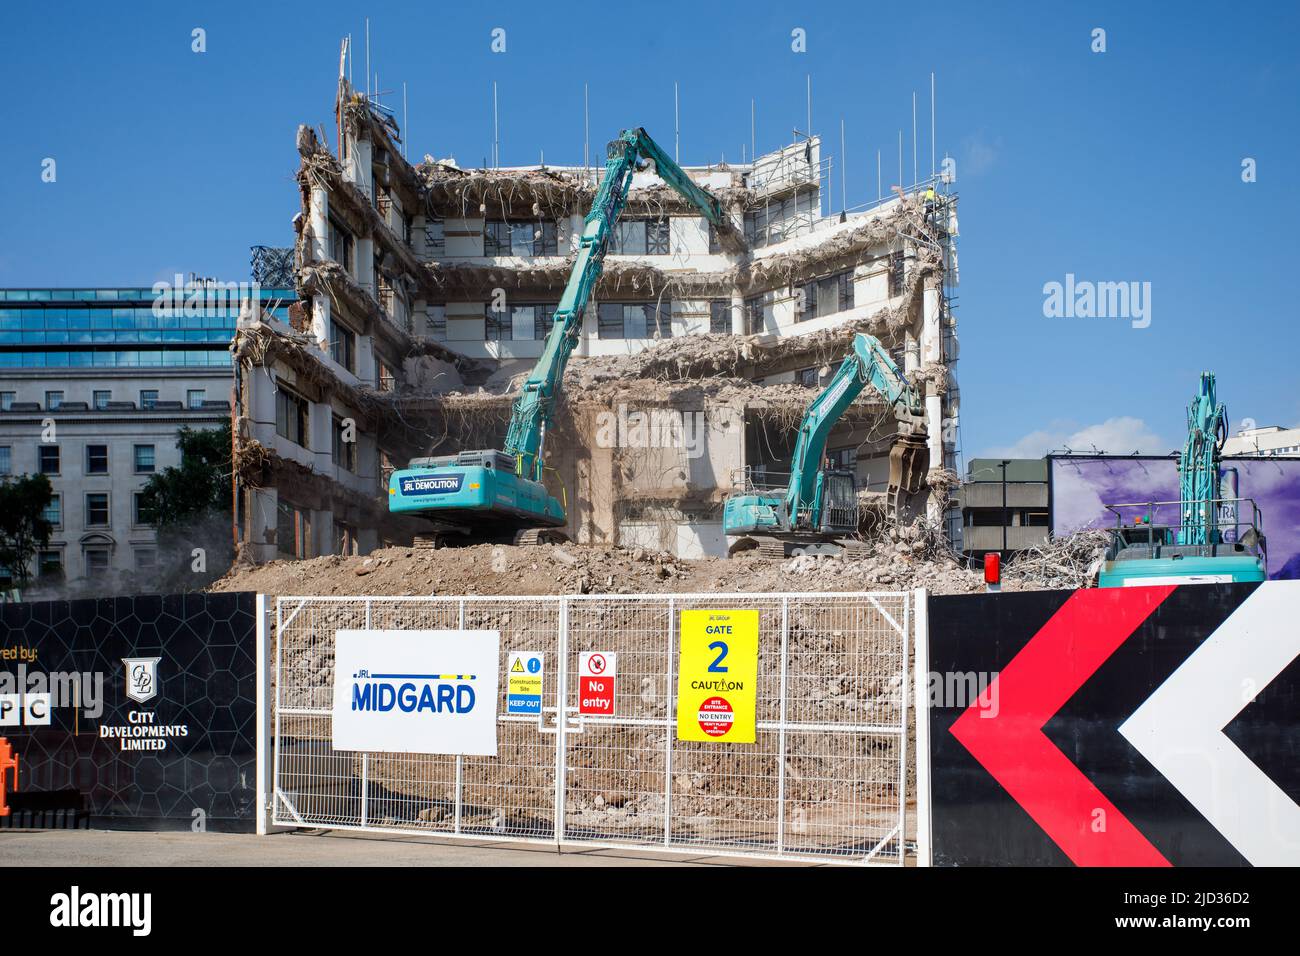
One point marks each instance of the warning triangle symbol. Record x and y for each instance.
(518, 667)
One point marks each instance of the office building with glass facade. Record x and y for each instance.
(94, 386)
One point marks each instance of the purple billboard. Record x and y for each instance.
(1081, 486)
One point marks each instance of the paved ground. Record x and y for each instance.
(118, 848)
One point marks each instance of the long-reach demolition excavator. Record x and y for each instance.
(500, 495)
(1217, 539)
(818, 514)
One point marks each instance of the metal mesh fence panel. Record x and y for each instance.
(825, 777)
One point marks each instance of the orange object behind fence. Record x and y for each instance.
(8, 760)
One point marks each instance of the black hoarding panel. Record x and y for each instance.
(1148, 726)
(131, 711)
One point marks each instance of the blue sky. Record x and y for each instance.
(1115, 166)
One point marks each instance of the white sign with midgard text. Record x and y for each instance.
(427, 692)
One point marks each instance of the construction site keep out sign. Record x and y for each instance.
(717, 677)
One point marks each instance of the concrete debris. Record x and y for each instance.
(901, 558)
(1071, 561)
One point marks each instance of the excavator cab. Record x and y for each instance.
(839, 503)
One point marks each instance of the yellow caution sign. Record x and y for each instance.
(717, 676)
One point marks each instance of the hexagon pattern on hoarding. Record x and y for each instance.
(206, 683)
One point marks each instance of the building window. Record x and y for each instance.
(102, 399)
(435, 238)
(144, 513)
(146, 559)
(6, 460)
(896, 274)
(195, 397)
(53, 400)
(345, 538)
(53, 512)
(97, 562)
(754, 311)
(640, 320)
(7, 400)
(49, 459)
(843, 459)
(827, 296)
(720, 316)
(49, 564)
(520, 323)
(809, 377)
(345, 452)
(148, 397)
(435, 322)
(343, 346)
(97, 509)
(511, 237)
(640, 237)
(97, 459)
(341, 246)
(144, 459)
(292, 531)
(384, 380)
(291, 416)
(715, 244)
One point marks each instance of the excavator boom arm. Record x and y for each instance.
(1198, 467)
(536, 402)
(867, 363)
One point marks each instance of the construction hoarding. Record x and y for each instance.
(1149, 726)
(131, 712)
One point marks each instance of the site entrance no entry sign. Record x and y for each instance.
(597, 671)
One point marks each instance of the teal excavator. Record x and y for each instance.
(818, 512)
(500, 494)
(1216, 539)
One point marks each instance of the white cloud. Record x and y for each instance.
(1123, 435)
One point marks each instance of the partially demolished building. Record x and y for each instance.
(426, 290)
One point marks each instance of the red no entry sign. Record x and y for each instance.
(596, 674)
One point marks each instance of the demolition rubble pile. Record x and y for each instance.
(593, 569)
(900, 558)
(1071, 561)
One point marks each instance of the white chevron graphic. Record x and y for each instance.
(1179, 728)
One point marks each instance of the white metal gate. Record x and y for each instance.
(825, 779)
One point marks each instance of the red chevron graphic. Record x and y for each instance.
(1038, 682)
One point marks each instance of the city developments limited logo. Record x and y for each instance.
(141, 678)
(142, 731)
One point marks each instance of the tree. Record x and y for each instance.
(199, 487)
(23, 526)
(190, 506)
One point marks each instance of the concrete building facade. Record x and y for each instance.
(1270, 440)
(426, 290)
(1004, 505)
